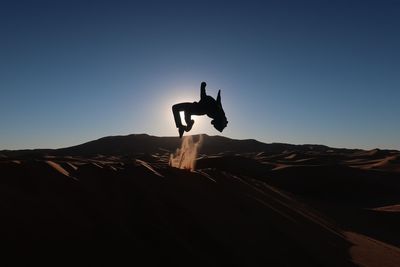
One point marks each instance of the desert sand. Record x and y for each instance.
(202, 201)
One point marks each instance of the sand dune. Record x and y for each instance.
(249, 204)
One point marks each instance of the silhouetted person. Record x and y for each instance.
(206, 106)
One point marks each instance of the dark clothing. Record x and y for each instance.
(206, 106)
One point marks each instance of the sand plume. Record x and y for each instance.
(185, 156)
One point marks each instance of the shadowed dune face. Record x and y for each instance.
(183, 217)
(338, 183)
(259, 205)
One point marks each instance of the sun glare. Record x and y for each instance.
(182, 115)
(199, 122)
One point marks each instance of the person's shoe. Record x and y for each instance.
(189, 125)
(181, 131)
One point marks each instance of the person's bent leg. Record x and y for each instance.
(176, 109)
(186, 108)
(189, 121)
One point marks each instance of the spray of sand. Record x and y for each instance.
(185, 156)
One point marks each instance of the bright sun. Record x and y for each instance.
(200, 123)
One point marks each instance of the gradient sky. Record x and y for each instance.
(321, 72)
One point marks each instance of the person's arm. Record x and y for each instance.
(203, 90)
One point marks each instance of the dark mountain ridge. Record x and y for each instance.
(144, 143)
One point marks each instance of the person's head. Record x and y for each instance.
(219, 121)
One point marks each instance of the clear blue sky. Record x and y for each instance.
(325, 72)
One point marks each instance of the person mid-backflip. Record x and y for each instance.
(206, 106)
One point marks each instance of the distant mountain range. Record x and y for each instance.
(144, 143)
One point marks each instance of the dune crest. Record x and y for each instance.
(185, 156)
(390, 208)
(58, 168)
